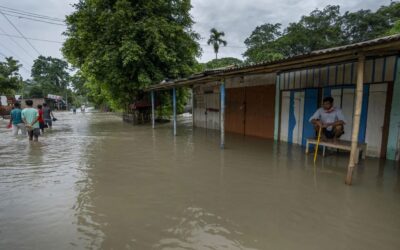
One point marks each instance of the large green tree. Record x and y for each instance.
(220, 63)
(261, 44)
(10, 79)
(216, 40)
(51, 75)
(122, 46)
(365, 24)
(319, 30)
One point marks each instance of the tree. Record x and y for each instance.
(122, 46)
(78, 82)
(319, 30)
(51, 74)
(10, 79)
(261, 44)
(36, 91)
(395, 29)
(216, 40)
(365, 25)
(222, 62)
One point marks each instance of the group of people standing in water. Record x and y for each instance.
(30, 120)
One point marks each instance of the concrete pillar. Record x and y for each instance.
(174, 108)
(356, 119)
(153, 121)
(222, 114)
(277, 105)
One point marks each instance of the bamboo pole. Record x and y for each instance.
(317, 145)
(356, 119)
(174, 108)
(153, 124)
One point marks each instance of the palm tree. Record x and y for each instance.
(216, 40)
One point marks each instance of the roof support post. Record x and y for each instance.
(153, 123)
(277, 107)
(222, 114)
(174, 108)
(356, 119)
(193, 107)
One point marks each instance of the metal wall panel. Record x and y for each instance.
(260, 110)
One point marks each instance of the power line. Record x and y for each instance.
(15, 54)
(33, 47)
(36, 20)
(30, 38)
(26, 13)
(22, 48)
(22, 66)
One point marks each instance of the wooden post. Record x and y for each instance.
(222, 114)
(174, 108)
(193, 107)
(153, 123)
(356, 119)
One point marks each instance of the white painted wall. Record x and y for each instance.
(285, 116)
(203, 102)
(299, 117)
(375, 119)
(348, 111)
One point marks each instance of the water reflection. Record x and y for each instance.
(198, 229)
(97, 183)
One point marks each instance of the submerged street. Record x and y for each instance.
(94, 182)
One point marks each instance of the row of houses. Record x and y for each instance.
(274, 100)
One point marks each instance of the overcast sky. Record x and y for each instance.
(237, 18)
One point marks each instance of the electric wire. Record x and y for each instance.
(36, 20)
(15, 42)
(15, 27)
(26, 13)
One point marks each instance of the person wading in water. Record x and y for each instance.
(330, 119)
(30, 116)
(16, 120)
(48, 115)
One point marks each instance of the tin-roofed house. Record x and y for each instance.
(276, 99)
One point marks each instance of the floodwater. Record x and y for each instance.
(94, 182)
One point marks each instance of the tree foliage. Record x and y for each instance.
(51, 75)
(10, 79)
(216, 40)
(220, 63)
(122, 46)
(261, 45)
(319, 30)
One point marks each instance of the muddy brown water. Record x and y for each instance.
(94, 182)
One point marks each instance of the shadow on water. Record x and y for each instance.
(97, 183)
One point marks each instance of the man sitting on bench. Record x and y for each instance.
(330, 119)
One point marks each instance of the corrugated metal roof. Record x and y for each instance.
(377, 41)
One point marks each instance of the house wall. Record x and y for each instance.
(207, 98)
(393, 146)
(338, 81)
(206, 106)
(36, 101)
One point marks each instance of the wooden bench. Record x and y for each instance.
(340, 144)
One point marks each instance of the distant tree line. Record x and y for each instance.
(319, 30)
